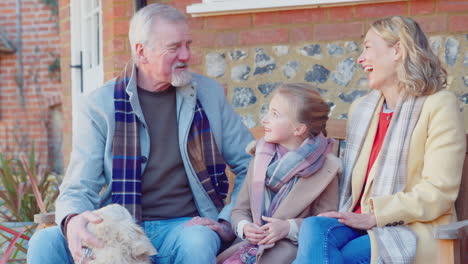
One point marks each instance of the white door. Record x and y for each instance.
(86, 48)
(91, 44)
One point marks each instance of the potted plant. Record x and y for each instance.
(25, 190)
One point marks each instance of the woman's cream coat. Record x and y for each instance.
(435, 163)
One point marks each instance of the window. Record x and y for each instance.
(221, 7)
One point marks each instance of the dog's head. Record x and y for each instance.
(123, 239)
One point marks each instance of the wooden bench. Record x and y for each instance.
(453, 238)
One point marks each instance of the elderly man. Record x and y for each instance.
(156, 140)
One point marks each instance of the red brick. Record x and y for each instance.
(119, 44)
(339, 31)
(226, 39)
(381, 10)
(228, 22)
(195, 57)
(41, 16)
(39, 30)
(195, 22)
(340, 13)
(203, 39)
(64, 11)
(107, 17)
(265, 19)
(302, 16)
(63, 2)
(264, 36)
(421, 7)
(433, 23)
(121, 27)
(301, 34)
(458, 23)
(122, 11)
(197, 69)
(452, 5)
(182, 4)
(8, 11)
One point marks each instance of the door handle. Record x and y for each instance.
(80, 67)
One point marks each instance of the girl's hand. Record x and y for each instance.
(253, 233)
(357, 221)
(276, 229)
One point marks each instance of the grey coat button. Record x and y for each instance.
(144, 159)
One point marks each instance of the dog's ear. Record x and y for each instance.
(141, 246)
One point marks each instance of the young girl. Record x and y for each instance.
(292, 175)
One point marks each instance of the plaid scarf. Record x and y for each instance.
(206, 159)
(397, 244)
(279, 172)
(126, 161)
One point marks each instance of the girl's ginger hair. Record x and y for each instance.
(420, 72)
(310, 108)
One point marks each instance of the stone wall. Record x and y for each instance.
(251, 74)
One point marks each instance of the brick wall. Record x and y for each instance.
(41, 114)
(250, 54)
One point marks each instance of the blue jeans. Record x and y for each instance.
(325, 240)
(174, 242)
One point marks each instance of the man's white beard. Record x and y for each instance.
(181, 79)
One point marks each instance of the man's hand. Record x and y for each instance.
(77, 234)
(357, 221)
(222, 228)
(276, 229)
(253, 233)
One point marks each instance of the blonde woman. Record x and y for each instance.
(403, 159)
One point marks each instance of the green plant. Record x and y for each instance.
(15, 238)
(53, 4)
(54, 68)
(25, 190)
(20, 178)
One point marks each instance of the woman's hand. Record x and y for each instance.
(253, 233)
(357, 221)
(276, 229)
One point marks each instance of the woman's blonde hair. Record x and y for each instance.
(420, 72)
(311, 109)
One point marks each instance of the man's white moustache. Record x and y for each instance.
(179, 64)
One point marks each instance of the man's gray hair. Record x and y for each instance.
(143, 22)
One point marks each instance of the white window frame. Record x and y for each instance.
(77, 42)
(224, 7)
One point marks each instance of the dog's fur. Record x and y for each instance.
(124, 241)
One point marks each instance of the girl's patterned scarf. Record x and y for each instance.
(126, 162)
(278, 170)
(397, 244)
